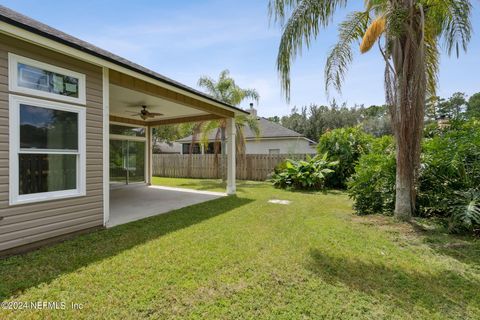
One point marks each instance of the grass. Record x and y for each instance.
(242, 257)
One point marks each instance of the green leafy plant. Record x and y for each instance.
(450, 164)
(372, 186)
(309, 174)
(344, 145)
(448, 182)
(465, 211)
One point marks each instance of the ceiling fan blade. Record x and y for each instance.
(155, 113)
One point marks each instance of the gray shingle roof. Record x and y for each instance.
(19, 20)
(268, 129)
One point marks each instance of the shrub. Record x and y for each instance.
(372, 186)
(449, 171)
(305, 175)
(450, 164)
(465, 211)
(344, 145)
(280, 167)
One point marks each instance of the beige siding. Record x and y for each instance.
(25, 224)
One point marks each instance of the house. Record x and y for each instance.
(273, 139)
(161, 147)
(75, 135)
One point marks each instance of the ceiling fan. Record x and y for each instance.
(145, 114)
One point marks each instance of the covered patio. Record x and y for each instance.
(138, 201)
(135, 107)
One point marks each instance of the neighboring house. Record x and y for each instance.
(74, 121)
(273, 139)
(167, 148)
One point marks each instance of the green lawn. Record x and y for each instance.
(242, 257)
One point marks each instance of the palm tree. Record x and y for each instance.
(226, 90)
(408, 34)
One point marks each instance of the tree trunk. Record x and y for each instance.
(405, 181)
(406, 93)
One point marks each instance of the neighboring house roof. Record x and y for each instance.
(19, 20)
(268, 129)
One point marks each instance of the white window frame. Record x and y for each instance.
(14, 115)
(14, 60)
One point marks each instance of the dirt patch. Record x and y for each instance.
(409, 230)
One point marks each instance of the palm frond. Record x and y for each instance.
(209, 85)
(251, 94)
(341, 55)
(453, 18)
(250, 121)
(303, 26)
(207, 128)
(226, 89)
(279, 9)
(432, 64)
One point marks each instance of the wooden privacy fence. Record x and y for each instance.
(209, 166)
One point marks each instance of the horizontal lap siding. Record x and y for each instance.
(25, 224)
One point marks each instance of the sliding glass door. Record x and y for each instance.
(127, 156)
(136, 161)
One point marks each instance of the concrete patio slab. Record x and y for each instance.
(134, 202)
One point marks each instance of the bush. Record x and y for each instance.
(372, 186)
(344, 145)
(303, 175)
(465, 211)
(450, 165)
(448, 178)
(280, 167)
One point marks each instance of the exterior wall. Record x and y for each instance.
(286, 146)
(28, 223)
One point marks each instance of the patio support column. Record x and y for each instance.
(149, 155)
(231, 163)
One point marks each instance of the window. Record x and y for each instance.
(210, 148)
(44, 80)
(127, 131)
(195, 150)
(47, 150)
(273, 151)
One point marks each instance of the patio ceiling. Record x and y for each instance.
(124, 102)
(128, 94)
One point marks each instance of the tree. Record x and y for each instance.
(473, 106)
(312, 121)
(275, 119)
(168, 134)
(451, 108)
(457, 105)
(407, 33)
(226, 90)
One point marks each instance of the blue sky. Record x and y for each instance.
(187, 39)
